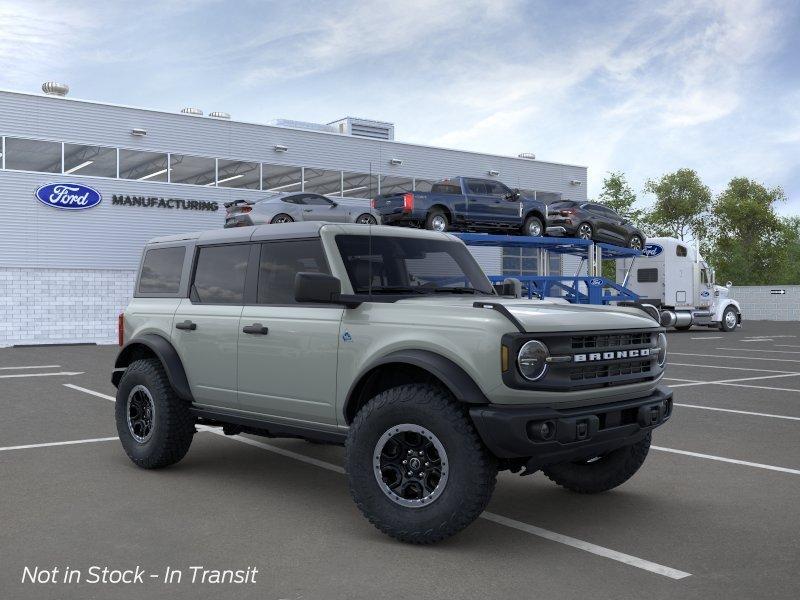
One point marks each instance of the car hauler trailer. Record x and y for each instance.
(672, 276)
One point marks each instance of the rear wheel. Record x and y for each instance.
(282, 218)
(367, 219)
(437, 220)
(635, 242)
(730, 319)
(416, 466)
(601, 473)
(585, 231)
(154, 425)
(533, 227)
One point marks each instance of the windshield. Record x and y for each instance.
(401, 265)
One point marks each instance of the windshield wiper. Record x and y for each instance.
(397, 289)
(460, 290)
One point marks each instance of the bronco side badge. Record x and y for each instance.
(346, 337)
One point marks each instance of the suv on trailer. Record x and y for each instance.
(393, 343)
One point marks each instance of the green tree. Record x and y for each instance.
(618, 195)
(751, 244)
(681, 206)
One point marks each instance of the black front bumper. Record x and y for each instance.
(574, 433)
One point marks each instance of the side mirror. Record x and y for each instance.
(334, 204)
(729, 284)
(317, 287)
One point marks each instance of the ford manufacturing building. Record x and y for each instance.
(65, 275)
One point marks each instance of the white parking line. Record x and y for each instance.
(758, 340)
(31, 367)
(747, 358)
(787, 346)
(708, 337)
(68, 443)
(92, 392)
(512, 523)
(673, 364)
(65, 373)
(587, 547)
(727, 460)
(761, 387)
(734, 381)
(740, 412)
(756, 350)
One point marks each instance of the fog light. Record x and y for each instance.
(542, 430)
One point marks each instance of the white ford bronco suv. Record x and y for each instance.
(393, 343)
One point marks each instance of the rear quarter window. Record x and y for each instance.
(161, 271)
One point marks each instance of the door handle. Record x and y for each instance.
(308, 209)
(255, 328)
(187, 325)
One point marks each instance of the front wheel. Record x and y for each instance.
(601, 473)
(585, 231)
(154, 425)
(416, 466)
(730, 319)
(635, 242)
(366, 219)
(533, 227)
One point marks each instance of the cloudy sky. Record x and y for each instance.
(644, 87)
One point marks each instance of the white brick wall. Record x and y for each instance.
(50, 306)
(758, 304)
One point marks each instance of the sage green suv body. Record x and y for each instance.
(393, 342)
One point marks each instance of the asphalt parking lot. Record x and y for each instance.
(714, 512)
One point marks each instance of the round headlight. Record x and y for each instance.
(531, 360)
(662, 349)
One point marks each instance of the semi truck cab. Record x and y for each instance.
(672, 276)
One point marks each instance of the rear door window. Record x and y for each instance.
(280, 262)
(220, 274)
(446, 187)
(161, 270)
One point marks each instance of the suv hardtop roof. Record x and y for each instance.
(290, 231)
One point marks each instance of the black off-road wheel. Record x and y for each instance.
(602, 473)
(154, 425)
(416, 466)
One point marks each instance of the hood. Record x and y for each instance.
(543, 315)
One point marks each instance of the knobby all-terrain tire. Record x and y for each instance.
(603, 474)
(472, 468)
(173, 425)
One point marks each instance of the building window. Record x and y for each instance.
(321, 181)
(33, 155)
(396, 185)
(280, 178)
(194, 170)
(237, 174)
(359, 185)
(97, 161)
(143, 166)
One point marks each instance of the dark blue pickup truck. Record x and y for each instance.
(465, 203)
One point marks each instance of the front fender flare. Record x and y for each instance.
(456, 379)
(166, 354)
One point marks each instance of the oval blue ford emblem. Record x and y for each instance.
(68, 196)
(652, 250)
(596, 282)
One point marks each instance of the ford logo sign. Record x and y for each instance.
(705, 294)
(68, 196)
(652, 250)
(596, 282)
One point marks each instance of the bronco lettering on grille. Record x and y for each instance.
(595, 356)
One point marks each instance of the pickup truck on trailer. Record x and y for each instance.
(466, 204)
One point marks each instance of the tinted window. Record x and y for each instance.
(681, 251)
(647, 275)
(280, 262)
(495, 188)
(220, 273)
(316, 200)
(408, 265)
(446, 187)
(33, 155)
(475, 186)
(90, 160)
(144, 166)
(161, 271)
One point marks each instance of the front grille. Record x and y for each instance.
(609, 341)
(636, 367)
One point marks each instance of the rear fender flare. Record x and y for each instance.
(166, 354)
